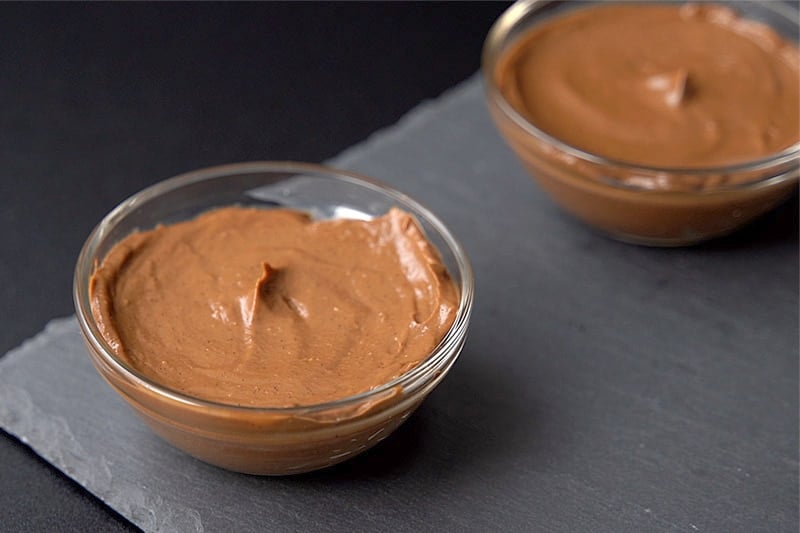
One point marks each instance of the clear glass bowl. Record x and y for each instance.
(628, 201)
(272, 441)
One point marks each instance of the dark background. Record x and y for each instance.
(100, 100)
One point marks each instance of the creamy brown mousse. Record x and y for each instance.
(658, 85)
(270, 308)
(666, 124)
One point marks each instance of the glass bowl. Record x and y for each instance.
(256, 440)
(635, 203)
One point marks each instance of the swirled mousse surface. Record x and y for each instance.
(661, 85)
(270, 308)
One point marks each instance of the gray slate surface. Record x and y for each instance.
(641, 389)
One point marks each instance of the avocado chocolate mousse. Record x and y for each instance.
(269, 308)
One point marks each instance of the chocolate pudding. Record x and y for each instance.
(660, 85)
(269, 308)
(658, 123)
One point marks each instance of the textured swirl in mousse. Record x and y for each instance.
(269, 308)
(691, 86)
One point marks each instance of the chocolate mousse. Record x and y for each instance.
(270, 308)
(658, 85)
(658, 123)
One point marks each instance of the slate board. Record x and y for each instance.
(644, 389)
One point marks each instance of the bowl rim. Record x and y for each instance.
(497, 41)
(446, 349)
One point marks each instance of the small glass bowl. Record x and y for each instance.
(631, 202)
(269, 441)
